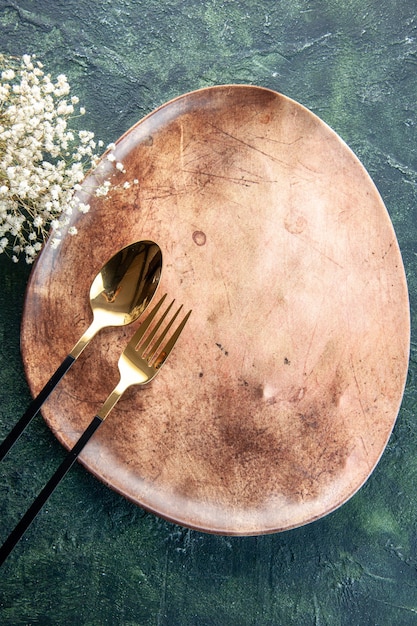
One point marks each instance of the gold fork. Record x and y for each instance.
(138, 364)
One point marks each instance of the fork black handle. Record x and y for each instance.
(50, 486)
(35, 406)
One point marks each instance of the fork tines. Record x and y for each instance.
(149, 342)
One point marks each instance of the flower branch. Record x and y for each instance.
(42, 159)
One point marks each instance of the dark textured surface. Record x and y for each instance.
(92, 558)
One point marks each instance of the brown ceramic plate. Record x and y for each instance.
(283, 390)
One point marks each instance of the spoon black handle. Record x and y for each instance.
(50, 486)
(34, 406)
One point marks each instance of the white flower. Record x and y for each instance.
(102, 190)
(27, 61)
(43, 161)
(64, 108)
(55, 242)
(7, 75)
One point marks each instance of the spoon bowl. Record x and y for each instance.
(123, 288)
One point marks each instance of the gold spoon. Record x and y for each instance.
(118, 296)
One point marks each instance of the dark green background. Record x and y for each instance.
(91, 558)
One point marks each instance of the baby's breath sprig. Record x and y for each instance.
(42, 160)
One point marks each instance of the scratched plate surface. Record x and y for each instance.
(282, 392)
